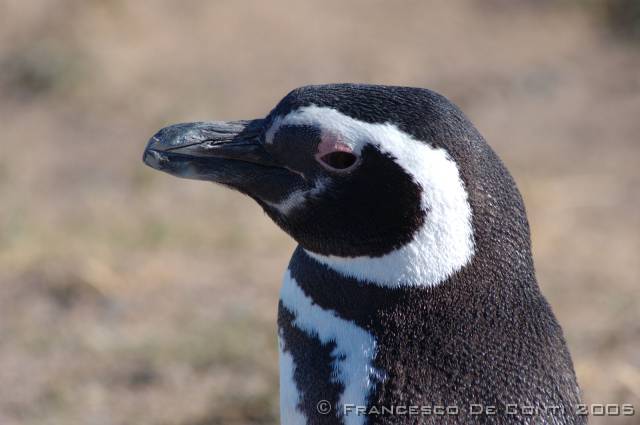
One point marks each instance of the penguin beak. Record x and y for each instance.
(180, 145)
(230, 153)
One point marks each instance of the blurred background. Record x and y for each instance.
(131, 297)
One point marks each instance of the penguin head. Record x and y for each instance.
(348, 170)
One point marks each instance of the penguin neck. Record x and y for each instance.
(360, 301)
(440, 248)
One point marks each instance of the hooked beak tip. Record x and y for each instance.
(201, 146)
(152, 157)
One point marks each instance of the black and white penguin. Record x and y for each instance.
(411, 298)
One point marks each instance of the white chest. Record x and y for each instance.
(351, 359)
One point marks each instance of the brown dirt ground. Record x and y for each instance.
(131, 297)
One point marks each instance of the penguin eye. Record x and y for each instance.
(338, 160)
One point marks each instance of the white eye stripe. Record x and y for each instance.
(445, 242)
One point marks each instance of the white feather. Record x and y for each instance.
(297, 198)
(290, 414)
(352, 356)
(445, 242)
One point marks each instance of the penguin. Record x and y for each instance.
(411, 297)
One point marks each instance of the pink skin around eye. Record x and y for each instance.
(331, 143)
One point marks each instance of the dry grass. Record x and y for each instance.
(130, 297)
